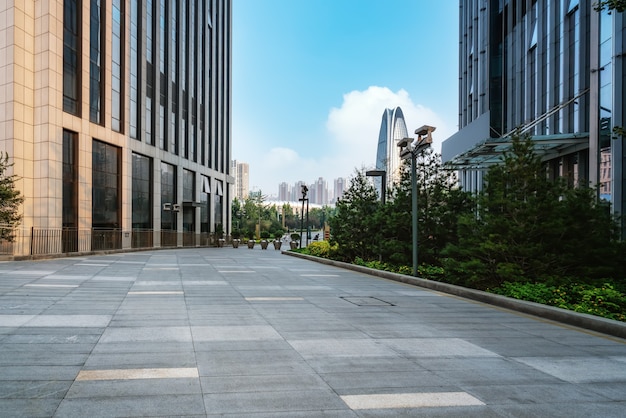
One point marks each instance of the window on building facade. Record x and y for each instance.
(189, 212)
(142, 192)
(163, 50)
(71, 56)
(70, 191)
(105, 185)
(135, 69)
(117, 65)
(173, 63)
(204, 204)
(96, 51)
(168, 195)
(218, 203)
(149, 100)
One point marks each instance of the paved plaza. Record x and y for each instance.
(256, 333)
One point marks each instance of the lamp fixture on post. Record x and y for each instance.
(411, 148)
(383, 187)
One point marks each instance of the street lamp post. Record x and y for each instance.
(383, 187)
(305, 190)
(411, 148)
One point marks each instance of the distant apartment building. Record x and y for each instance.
(553, 69)
(241, 173)
(284, 192)
(117, 116)
(340, 186)
(319, 192)
(392, 130)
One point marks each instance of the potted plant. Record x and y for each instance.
(251, 243)
(236, 235)
(264, 236)
(277, 242)
(295, 238)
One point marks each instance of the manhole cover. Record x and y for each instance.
(366, 301)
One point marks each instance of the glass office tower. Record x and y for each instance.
(549, 68)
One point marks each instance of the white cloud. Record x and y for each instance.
(351, 142)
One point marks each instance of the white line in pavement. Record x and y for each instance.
(130, 374)
(50, 285)
(410, 400)
(173, 292)
(319, 275)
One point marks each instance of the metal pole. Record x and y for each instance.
(383, 188)
(307, 222)
(414, 210)
(301, 224)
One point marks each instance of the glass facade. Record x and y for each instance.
(204, 204)
(218, 201)
(168, 196)
(149, 120)
(606, 104)
(96, 51)
(106, 181)
(70, 191)
(135, 69)
(71, 56)
(189, 211)
(174, 55)
(117, 66)
(163, 49)
(142, 192)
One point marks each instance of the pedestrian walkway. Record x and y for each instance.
(240, 332)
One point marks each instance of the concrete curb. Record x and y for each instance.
(581, 320)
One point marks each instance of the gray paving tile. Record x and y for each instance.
(133, 388)
(28, 408)
(579, 369)
(270, 402)
(161, 405)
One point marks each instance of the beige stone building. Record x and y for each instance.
(116, 115)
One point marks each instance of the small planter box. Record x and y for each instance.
(264, 244)
(235, 243)
(251, 244)
(277, 244)
(293, 245)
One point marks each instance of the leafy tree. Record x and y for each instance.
(10, 200)
(353, 226)
(610, 5)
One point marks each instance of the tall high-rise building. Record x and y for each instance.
(319, 191)
(392, 130)
(241, 172)
(117, 116)
(296, 192)
(284, 192)
(550, 68)
(340, 186)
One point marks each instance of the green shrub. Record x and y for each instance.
(603, 300)
(265, 234)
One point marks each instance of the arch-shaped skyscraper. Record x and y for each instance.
(392, 129)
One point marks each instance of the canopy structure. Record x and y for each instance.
(490, 151)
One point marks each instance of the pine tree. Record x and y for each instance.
(10, 200)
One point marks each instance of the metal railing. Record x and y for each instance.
(23, 241)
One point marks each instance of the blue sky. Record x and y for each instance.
(311, 79)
